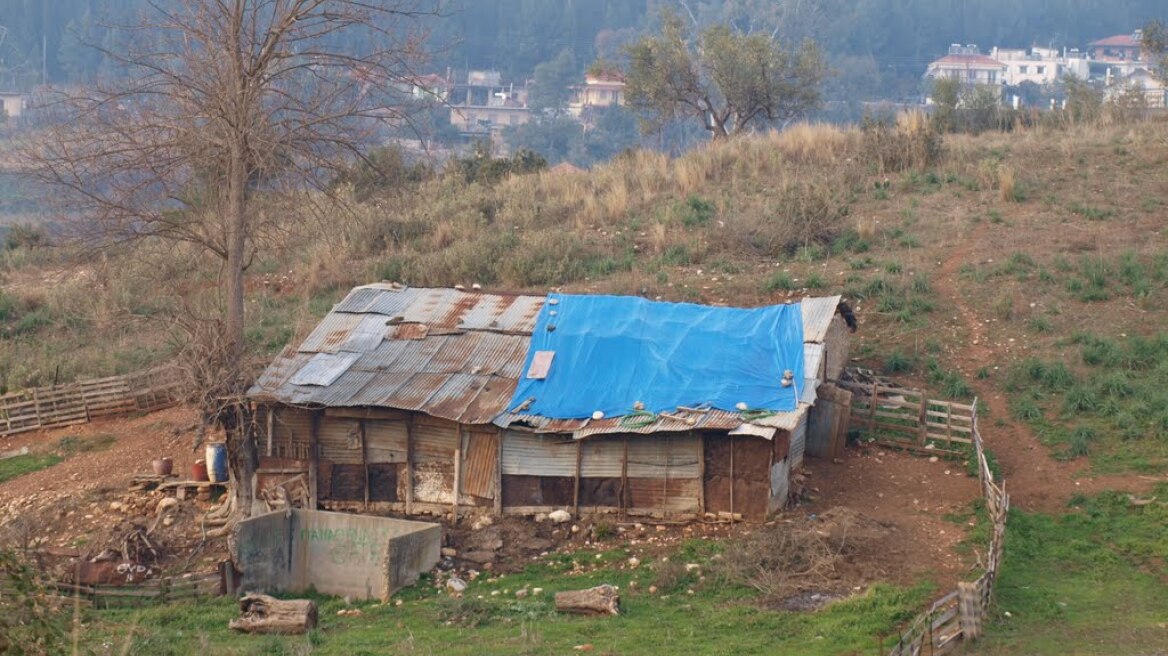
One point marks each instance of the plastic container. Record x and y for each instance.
(199, 470)
(217, 462)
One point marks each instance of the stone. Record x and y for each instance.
(482, 522)
(560, 516)
(933, 458)
(536, 591)
(520, 594)
(537, 544)
(689, 567)
(480, 557)
(165, 504)
(634, 561)
(456, 585)
(449, 552)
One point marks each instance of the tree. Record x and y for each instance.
(219, 106)
(553, 82)
(1155, 44)
(727, 79)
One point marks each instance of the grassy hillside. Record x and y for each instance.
(1029, 269)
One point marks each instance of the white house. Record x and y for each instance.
(1042, 66)
(13, 103)
(967, 65)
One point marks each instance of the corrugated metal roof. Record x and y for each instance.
(460, 359)
(817, 315)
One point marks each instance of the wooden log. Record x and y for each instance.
(263, 614)
(601, 600)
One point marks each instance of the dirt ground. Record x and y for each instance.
(81, 506)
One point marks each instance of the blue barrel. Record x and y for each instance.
(217, 462)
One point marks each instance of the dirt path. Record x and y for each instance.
(1035, 480)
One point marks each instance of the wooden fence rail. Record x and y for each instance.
(151, 591)
(958, 615)
(85, 400)
(908, 419)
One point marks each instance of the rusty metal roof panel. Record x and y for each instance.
(366, 335)
(502, 355)
(330, 333)
(336, 394)
(451, 399)
(520, 315)
(380, 389)
(493, 398)
(817, 315)
(358, 300)
(416, 391)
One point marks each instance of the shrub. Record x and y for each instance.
(697, 212)
(897, 363)
(779, 281)
(912, 142)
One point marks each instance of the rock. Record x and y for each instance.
(449, 552)
(652, 589)
(456, 585)
(575, 528)
(494, 593)
(933, 458)
(537, 544)
(167, 521)
(520, 594)
(165, 504)
(585, 647)
(116, 506)
(482, 522)
(560, 516)
(540, 517)
(480, 557)
(536, 591)
(398, 602)
(634, 561)
(689, 567)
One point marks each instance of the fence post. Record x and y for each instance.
(923, 418)
(969, 609)
(872, 411)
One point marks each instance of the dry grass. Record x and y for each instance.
(1007, 189)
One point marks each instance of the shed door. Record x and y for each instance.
(480, 462)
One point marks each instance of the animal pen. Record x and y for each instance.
(415, 401)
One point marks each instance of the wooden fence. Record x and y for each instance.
(84, 400)
(150, 591)
(907, 419)
(958, 615)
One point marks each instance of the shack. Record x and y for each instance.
(437, 401)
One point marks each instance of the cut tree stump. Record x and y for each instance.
(263, 614)
(601, 600)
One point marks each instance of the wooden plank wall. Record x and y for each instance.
(84, 400)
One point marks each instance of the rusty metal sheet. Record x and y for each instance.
(451, 399)
(817, 315)
(484, 407)
(673, 495)
(530, 454)
(358, 300)
(330, 333)
(480, 464)
(411, 331)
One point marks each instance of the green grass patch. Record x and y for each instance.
(1087, 582)
(717, 618)
(26, 464)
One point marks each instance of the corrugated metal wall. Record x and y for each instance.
(528, 454)
(434, 442)
(798, 443)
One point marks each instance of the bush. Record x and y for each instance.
(780, 560)
(912, 142)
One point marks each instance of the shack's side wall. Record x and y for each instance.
(836, 344)
(737, 475)
(662, 476)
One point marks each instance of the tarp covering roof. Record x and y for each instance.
(457, 355)
(619, 354)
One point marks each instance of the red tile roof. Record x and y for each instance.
(1117, 41)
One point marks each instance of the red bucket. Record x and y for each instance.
(199, 470)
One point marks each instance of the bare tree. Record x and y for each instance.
(219, 106)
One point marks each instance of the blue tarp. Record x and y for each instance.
(613, 351)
